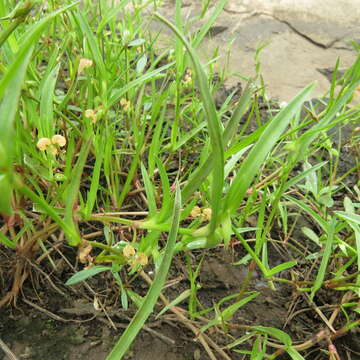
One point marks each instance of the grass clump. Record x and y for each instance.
(100, 128)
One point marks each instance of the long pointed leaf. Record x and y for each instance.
(257, 155)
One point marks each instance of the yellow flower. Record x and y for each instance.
(84, 63)
(128, 251)
(58, 140)
(43, 144)
(51, 145)
(188, 77)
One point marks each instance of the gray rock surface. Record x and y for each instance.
(304, 37)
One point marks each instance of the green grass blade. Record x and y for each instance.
(95, 179)
(293, 181)
(148, 304)
(149, 189)
(6, 241)
(117, 94)
(257, 155)
(208, 24)
(166, 197)
(229, 311)
(46, 128)
(10, 89)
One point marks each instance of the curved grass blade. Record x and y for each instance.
(214, 127)
(147, 305)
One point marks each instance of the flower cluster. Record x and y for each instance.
(205, 213)
(52, 145)
(134, 258)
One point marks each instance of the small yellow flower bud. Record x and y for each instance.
(43, 144)
(128, 251)
(58, 140)
(84, 63)
(125, 104)
(207, 214)
(90, 114)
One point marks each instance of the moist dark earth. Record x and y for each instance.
(46, 325)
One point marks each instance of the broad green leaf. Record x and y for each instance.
(136, 42)
(311, 235)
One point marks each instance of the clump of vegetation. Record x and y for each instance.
(120, 149)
